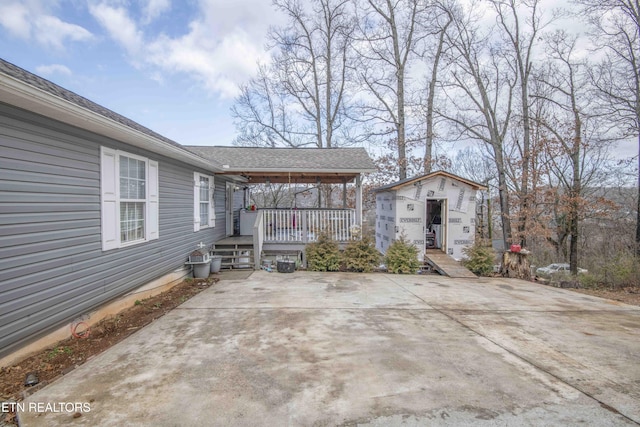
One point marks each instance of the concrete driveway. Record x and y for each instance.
(329, 349)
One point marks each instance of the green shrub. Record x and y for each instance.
(479, 259)
(589, 280)
(621, 271)
(323, 255)
(361, 255)
(402, 257)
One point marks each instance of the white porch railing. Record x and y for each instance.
(305, 225)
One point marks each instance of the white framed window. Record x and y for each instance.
(129, 199)
(204, 213)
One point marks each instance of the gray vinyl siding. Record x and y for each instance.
(52, 267)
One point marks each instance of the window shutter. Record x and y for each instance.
(109, 198)
(153, 223)
(212, 204)
(196, 201)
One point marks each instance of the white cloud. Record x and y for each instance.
(219, 48)
(47, 70)
(32, 20)
(15, 18)
(52, 32)
(154, 8)
(119, 25)
(220, 64)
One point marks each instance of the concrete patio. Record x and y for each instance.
(329, 349)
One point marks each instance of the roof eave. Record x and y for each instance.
(22, 95)
(393, 187)
(239, 170)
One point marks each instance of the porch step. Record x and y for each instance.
(235, 258)
(234, 255)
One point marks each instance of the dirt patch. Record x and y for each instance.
(51, 363)
(629, 295)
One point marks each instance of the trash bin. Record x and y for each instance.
(216, 263)
(243, 260)
(201, 270)
(286, 266)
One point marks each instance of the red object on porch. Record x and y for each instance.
(515, 248)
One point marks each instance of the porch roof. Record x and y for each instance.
(289, 165)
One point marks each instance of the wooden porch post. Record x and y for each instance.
(344, 195)
(305, 226)
(359, 200)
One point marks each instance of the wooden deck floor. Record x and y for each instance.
(448, 266)
(235, 240)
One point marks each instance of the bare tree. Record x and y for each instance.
(436, 27)
(475, 164)
(520, 23)
(575, 149)
(301, 98)
(264, 117)
(434, 45)
(389, 31)
(480, 93)
(616, 31)
(272, 195)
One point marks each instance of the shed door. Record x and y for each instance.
(436, 232)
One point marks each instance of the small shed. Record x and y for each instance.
(436, 212)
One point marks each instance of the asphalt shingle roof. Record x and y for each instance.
(240, 159)
(250, 159)
(60, 92)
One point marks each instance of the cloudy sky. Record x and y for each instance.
(171, 65)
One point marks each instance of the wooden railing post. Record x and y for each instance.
(258, 239)
(305, 228)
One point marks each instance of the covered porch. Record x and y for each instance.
(287, 230)
(273, 233)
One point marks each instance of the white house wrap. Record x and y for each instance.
(434, 212)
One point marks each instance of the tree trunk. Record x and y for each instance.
(428, 145)
(503, 195)
(574, 209)
(638, 207)
(526, 158)
(428, 149)
(328, 81)
(400, 69)
(576, 184)
(516, 265)
(400, 126)
(489, 217)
